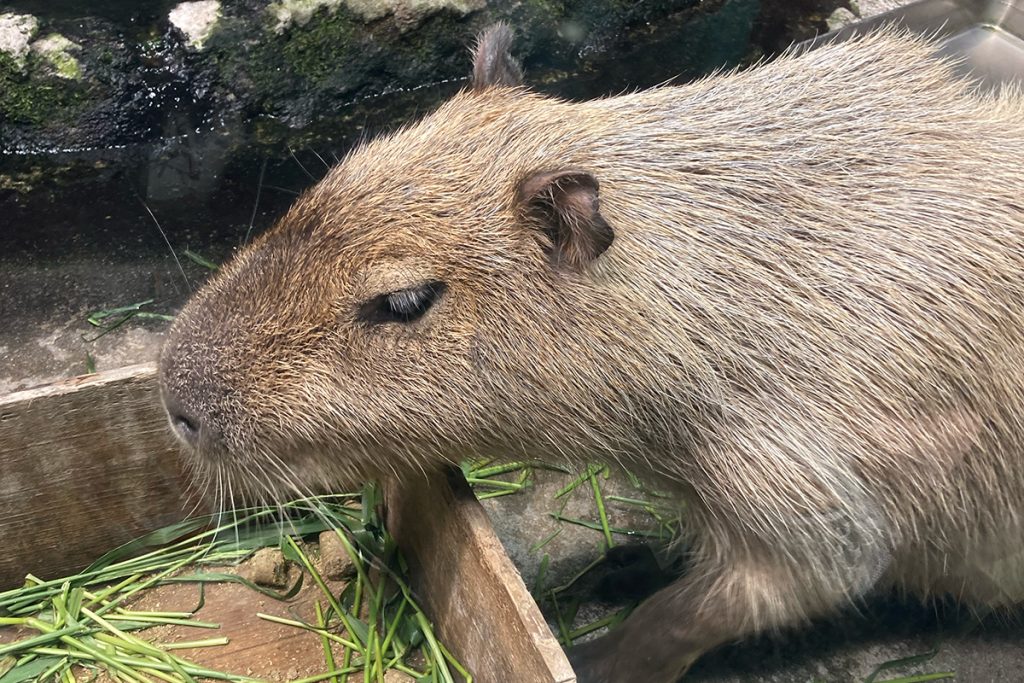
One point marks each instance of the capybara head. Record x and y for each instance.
(387, 316)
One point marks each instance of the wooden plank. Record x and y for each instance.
(460, 571)
(85, 465)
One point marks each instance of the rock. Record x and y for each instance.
(197, 20)
(410, 10)
(288, 13)
(297, 12)
(16, 32)
(839, 18)
(870, 8)
(266, 568)
(396, 676)
(55, 51)
(335, 563)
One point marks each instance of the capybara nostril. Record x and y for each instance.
(187, 427)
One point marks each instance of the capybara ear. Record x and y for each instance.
(493, 64)
(565, 204)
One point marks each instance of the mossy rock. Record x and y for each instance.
(29, 96)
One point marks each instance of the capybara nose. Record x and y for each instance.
(187, 426)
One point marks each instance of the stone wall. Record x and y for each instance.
(77, 76)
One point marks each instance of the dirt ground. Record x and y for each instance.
(256, 647)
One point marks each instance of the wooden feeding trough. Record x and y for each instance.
(88, 464)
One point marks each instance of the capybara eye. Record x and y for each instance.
(402, 306)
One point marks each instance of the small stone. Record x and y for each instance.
(335, 563)
(56, 51)
(840, 18)
(16, 32)
(266, 568)
(396, 676)
(371, 10)
(865, 9)
(297, 12)
(196, 20)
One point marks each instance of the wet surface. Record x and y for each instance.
(126, 13)
(928, 640)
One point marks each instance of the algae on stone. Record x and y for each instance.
(55, 51)
(34, 99)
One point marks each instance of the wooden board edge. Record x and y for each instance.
(86, 464)
(467, 584)
(508, 576)
(140, 371)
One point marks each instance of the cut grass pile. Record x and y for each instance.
(84, 624)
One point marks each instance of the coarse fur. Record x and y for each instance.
(793, 294)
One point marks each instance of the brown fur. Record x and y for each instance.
(809, 321)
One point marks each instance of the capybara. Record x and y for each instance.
(793, 295)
